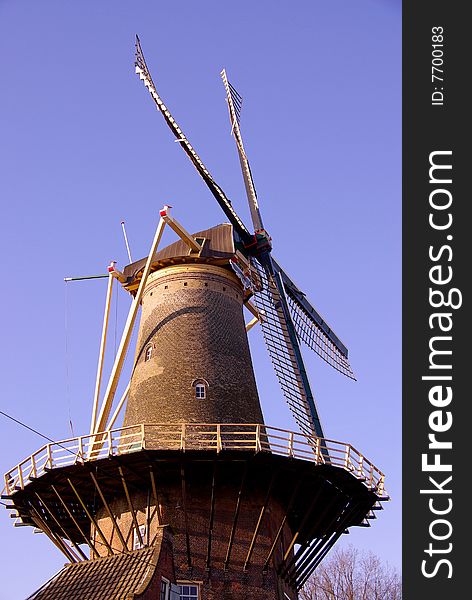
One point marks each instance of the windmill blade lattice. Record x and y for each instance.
(285, 359)
(313, 330)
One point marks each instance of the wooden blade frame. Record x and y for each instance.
(284, 350)
(312, 329)
(221, 198)
(234, 106)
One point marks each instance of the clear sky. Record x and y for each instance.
(82, 147)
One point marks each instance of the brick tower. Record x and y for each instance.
(194, 485)
(194, 496)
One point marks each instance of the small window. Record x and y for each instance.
(200, 391)
(164, 589)
(148, 353)
(189, 591)
(137, 544)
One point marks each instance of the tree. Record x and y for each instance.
(352, 575)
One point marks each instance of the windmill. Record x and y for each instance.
(286, 315)
(194, 496)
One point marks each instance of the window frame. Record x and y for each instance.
(196, 584)
(136, 543)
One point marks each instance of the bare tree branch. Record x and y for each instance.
(350, 574)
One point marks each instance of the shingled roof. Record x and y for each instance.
(116, 577)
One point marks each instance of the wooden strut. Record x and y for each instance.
(303, 523)
(66, 533)
(306, 552)
(184, 506)
(55, 539)
(212, 515)
(148, 518)
(115, 415)
(259, 521)
(235, 517)
(109, 512)
(181, 231)
(101, 354)
(126, 336)
(131, 507)
(155, 494)
(79, 528)
(328, 544)
(282, 525)
(91, 518)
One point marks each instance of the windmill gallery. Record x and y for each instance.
(194, 496)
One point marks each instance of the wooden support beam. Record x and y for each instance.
(91, 518)
(131, 507)
(292, 565)
(212, 516)
(306, 552)
(183, 234)
(282, 524)
(101, 353)
(118, 408)
(58, 523)
(259, 520)
(109, 512)
(155, 494)
(55, 539)
(251, 324)
(72, 518)
(252, 309)
(126, 336)
(184, 506)
(307, 515)
(318, 556)
(148, 518)
(235, 517)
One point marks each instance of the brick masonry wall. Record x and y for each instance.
(192, 318)
(216, 582)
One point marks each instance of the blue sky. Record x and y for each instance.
(83, 148)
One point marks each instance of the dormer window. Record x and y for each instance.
(148, 353)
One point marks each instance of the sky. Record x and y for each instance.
(83, 148)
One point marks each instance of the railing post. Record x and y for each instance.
(219, 444)
(33, 467)
(371, 478)
(143, 437)
(360, 469)
(258, 438)
(110, 443)
(347, 456)
(7, 483)
(81, 450)
(290, 444)
(182, 438)
(381, 485)
(318, 450)
(20, 477)
(49, 456)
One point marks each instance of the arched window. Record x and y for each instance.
(201, 388)
(148, 353)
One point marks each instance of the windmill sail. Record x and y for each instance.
(222, 199)
(234, 105)
(282, 345)
(313, 330)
